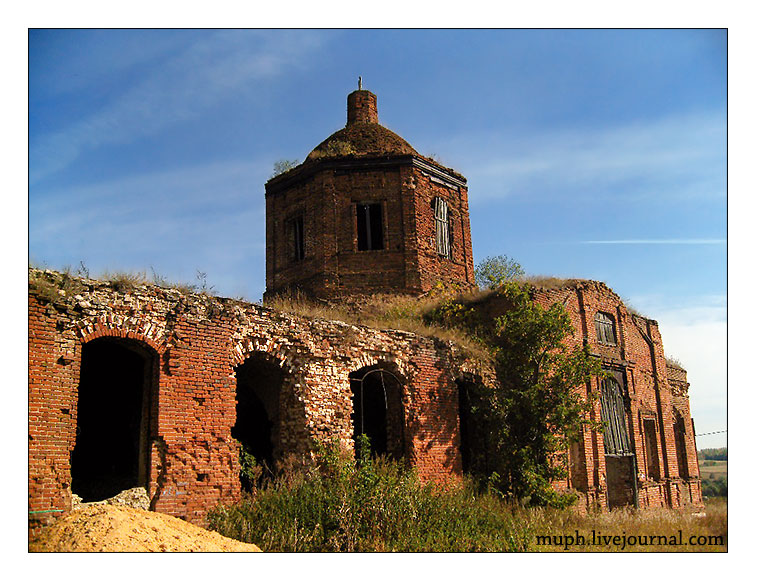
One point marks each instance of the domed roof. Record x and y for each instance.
(363, 136)
(361, 139)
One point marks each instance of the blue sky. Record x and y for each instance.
(589, 153)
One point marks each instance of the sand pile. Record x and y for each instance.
(116, 528)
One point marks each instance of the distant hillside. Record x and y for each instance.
(713, 454)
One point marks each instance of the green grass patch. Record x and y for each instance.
(338, 505)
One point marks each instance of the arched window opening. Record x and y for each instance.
(257, 427)
(377, 411)
(111, 453)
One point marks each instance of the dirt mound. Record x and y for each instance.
(115, 528)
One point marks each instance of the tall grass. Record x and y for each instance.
(384, 311)
(381, 506)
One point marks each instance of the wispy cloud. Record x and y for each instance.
(671, 241)
(679, 156)
(207, 216)
(207, 70)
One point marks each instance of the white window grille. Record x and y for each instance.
(441, 218)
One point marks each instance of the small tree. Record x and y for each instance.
(495, 271)
(535, 411)
(281, 166)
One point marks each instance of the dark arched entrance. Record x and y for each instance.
(258, 393)
(377, 410)
(113, 418)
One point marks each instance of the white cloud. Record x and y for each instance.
(205, 72)
(679, 156)
(670, 241)
(696, 334)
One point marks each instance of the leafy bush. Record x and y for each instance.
(534, 412)
(715, 487)
(339, 504)
(370, 505)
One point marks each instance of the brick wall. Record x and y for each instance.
(193, 343)
(326, 194)
(651, 395)
(196, 342)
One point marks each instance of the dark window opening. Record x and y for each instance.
(679, 432)
(258, 391)
(111, 450)
(475, 433)
(442, 221)
(370, 228)
(605, 326)
(650, 447)
(464, 411)
(377, 411)
(296, 230)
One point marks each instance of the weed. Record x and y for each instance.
(379, 505)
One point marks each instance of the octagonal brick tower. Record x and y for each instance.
(365, 213)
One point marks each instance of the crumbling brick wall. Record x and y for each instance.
(197, 342)
(653, 394)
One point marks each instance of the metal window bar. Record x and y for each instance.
(299, 238)
(441, 217)
(370, 234)
(381, 373)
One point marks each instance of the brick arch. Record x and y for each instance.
(143, 331)
(138, 337)
(396, 365)
(275, 351)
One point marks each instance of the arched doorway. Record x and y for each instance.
(377, 410)
(117, 381)
(258, 393)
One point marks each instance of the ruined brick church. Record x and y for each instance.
(150, 387)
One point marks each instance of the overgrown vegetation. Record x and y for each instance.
(524, 425)
(334, 148)
(339, 504)
(386, 311)
(713, 470)
(495, 271)
(529, 418)
(56, 286)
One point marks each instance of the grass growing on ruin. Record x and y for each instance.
(338, 505)
(384, 311)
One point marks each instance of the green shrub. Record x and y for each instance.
(338, 504)
(370, 505)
